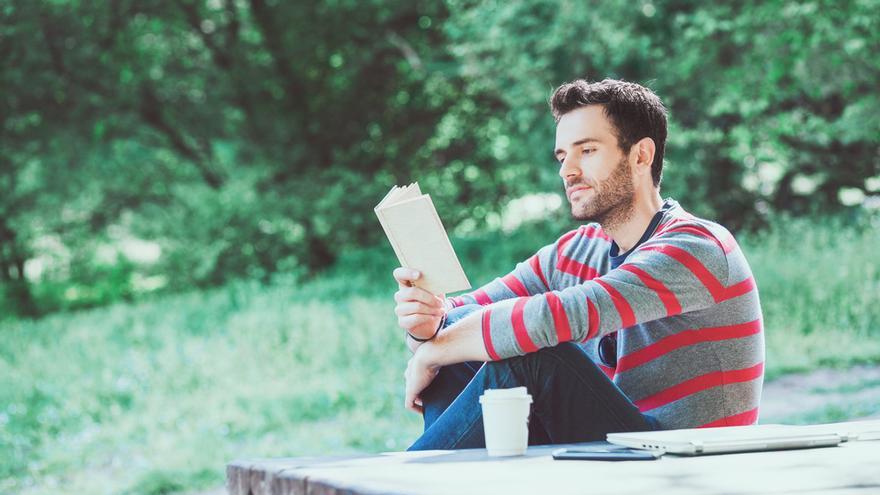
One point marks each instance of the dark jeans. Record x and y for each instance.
(572, 399)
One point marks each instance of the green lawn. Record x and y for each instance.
(156, 397)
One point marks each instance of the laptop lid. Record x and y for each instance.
(699, 441)
(850, 430)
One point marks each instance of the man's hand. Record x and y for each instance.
(419, 374)
(418, 311)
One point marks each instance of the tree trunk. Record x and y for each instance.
(319, 254)
(17, 288)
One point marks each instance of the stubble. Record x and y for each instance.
(612, 201)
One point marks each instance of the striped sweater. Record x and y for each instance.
(691, 344)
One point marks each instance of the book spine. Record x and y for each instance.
(466, 284)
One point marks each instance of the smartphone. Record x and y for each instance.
(604, 454)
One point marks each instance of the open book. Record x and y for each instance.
(419, 239)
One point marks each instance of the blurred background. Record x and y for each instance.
(190, 267)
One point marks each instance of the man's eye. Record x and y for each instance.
(589, 150)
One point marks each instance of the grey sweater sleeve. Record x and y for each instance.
(670, 274)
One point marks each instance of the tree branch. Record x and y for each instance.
(223, 60)
(194, 20)
(296, 91)
(150, 111)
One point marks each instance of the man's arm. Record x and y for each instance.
(668, 275)
(459, 342)
(528, 278)
(421, 313)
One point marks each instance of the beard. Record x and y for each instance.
(612, 201)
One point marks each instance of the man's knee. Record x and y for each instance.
(542, 358)
(565, 350)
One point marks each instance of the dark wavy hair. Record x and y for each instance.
(635, 112)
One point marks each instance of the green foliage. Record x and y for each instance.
(253, 138)
(172, 481)
(155, 397)
(819, 279)
(91, 284)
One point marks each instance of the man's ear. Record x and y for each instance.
(644, 151)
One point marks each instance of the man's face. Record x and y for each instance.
(596, 173)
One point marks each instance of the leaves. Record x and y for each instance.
(253, 137)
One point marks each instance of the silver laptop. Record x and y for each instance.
(701, 441)
(850, 430)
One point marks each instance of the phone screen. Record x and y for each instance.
(603, 454)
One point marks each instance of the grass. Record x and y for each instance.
(849, 388)
(835, 413)
(820, 287)
(156, 397)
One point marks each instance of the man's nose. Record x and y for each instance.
(569, 168)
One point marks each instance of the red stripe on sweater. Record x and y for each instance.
(684, 339)
(487, 335)
(663, 226)
(697, 231)
(536, 267)
(673, 307)
(699, 384)
(576, 268)
(627, 317)
(481, 297)
(695, 266)
(683, 216)
(571, 266)
(727, 243)
(592, 321)
(740, 288)
(593, 232)
(749, 417)
(519, 326)
(563, 241)
(609, 372)
(515, 285)
(560, 318)
(456, 301)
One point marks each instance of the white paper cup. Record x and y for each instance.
(506, 421)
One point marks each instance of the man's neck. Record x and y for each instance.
(628, 233)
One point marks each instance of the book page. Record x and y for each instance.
(420, 242)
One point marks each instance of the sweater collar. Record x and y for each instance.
(614, 255)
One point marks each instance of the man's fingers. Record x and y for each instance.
(413, 403)
(405, 276)
(416, 294)
(412, 321)
(417, 308)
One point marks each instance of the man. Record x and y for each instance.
(647, 318)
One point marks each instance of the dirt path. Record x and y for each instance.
(835, 394)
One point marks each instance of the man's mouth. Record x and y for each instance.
(574, 189)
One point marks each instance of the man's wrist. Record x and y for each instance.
(425, 356)
(437, 331)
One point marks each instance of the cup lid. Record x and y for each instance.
(520, 398)
(516, 393)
